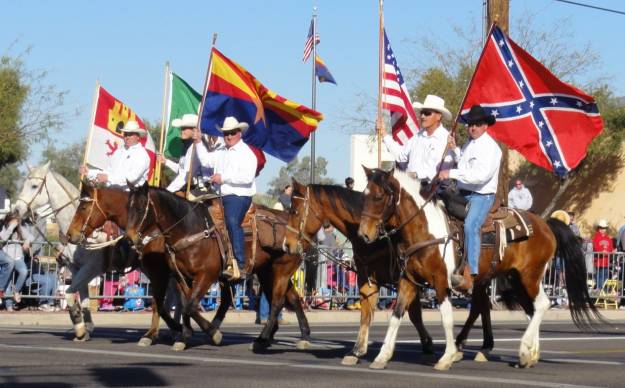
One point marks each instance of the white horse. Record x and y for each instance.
(44, 187)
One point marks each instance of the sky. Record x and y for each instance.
(125, 44)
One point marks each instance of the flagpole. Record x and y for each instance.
(90, 136)
(164, 125)
(379, 121)
(314, 94)
(199, 117)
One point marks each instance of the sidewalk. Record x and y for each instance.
(142, 319)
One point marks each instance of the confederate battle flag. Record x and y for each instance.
(106, 137)
(548, 121)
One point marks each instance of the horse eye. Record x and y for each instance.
(33, 187)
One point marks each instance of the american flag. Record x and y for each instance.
(396, 99)
(549, 122)
(308, 45)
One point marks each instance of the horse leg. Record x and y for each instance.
(275, 295)
(180, 340)
(451, 355)
(480, 296)
(295, 302)
(224, 305)
(368, 301)
(82, 273)
(201, 284)
(529, 351)
(414, 312)
(406, 295)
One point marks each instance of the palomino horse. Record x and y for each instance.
(190, 239)
(44, 187)
(392, 200)
(98, 205)
(315, 204)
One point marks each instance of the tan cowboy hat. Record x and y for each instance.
(133, 127)
(602, 223)
(562, 216)
(231, 123)
(434, 103)
(188, 120)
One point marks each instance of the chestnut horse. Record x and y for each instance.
(315, 204)
(189, 234)
(392, 200)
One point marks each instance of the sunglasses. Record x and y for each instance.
(127, 134)
(426, 113)
(231, 133)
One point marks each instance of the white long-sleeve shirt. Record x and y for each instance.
(478, 165)
(183, 169)
(520, 198)
(14, 249)
(130, 164)
(423, 152)
(237, 166)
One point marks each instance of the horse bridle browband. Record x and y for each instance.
(40, 189)
(300, 233)
(95, 204)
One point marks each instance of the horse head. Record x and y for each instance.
(302, 225)
(33, 194)
(379, 202)
(89, 214)
(141, 214)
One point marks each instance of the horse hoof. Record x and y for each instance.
(350, 360)
(178, 346)
(80, 330)
(480, 357)
(257, 346)
(84, 338)
(378, 365)
(302, 345)
(442, 365)
(457, 357)
(216, 323)
(216, 338)
(144, 342)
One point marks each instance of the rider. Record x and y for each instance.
(191, 136)
(235, 172)
(423, 151)
(477, 175)
(129, 163)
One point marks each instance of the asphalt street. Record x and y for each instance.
(46, 356)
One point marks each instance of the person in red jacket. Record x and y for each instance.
(602, 245)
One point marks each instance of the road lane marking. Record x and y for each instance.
(216, 360)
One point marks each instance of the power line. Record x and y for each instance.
(592, 6)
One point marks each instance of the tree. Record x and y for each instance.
(65, 161)
(9, 178)
(300, 170)
(29, 108)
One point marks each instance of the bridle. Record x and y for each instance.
(94, 205)
(302, 224)
(42, 186)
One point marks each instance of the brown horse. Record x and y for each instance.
(189, 234)
(392, 200)
(315, 204)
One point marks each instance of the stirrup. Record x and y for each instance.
(232, 272)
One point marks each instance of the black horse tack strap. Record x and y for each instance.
(193, 239)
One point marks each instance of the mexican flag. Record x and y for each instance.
(182, 99)
(109, 117)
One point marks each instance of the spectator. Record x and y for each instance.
(620, 239)
(349, 183)
(573, 225)
(263, 310)
(602, 245)
(285, 197)
(520, 197)
(17, 241)
(43, 274)
(5, 203)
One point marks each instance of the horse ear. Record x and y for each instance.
(297, 187)
(29, 167)
(46, 167)
(85, 187)
(131, 186)
(145, 187)
(368, 171)
(390, 173)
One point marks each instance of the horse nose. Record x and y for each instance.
(363, 236)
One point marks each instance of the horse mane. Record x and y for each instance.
(67, 185)
(178, 206)
(350, 200)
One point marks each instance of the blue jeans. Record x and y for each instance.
(235, 208)
(264, 308)
(602, 276)
(22, 272)
(6, 270)
(479, 206)
(47, 282)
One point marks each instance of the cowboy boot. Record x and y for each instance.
(232, 272)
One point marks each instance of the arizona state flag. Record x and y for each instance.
(106, 137)
(278, 126)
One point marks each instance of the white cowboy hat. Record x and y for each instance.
(602, 223)
(435, 103)
(188, 120)
(231, 123)
(133, 126)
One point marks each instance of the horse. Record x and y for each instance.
(44, 187)
(189, 234)
(100, 204)
(314, 204)
(392, 200)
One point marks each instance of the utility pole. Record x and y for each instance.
(498, 11)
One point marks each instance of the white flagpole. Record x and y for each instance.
(314, 94)
(96, 93)
(164, 125)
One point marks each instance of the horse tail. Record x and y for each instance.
(584, 313)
